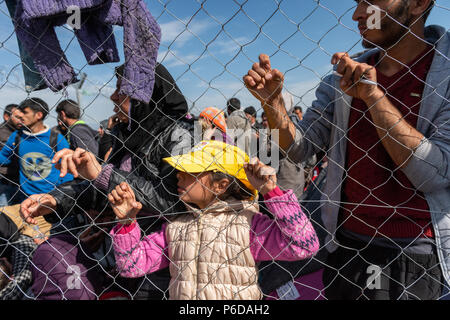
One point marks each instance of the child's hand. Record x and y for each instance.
(124, 203)
(261, 176)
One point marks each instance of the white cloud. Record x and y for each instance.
(181, 32)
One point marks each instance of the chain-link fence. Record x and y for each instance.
(131, 129)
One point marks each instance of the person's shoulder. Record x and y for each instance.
(6, 131)
(83, 128)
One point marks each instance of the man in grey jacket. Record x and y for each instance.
(77, 132)
(385, 123)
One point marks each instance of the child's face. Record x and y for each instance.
(196, 188)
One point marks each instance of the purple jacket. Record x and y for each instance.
(35, 21)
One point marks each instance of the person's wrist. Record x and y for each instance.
(266, 189)
(273, 100)
(98, 170)
(128, 221)
(374, 97)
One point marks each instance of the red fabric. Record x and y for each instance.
(277, 192)
(376, 191)
(114, 295)
(124, 228)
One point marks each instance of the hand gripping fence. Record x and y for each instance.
(351, 218)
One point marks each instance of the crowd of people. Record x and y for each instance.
(347, 200)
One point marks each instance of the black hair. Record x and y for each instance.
(70, 108)
(298, 108)
(251, 111)
(233, 104)
(427, 12)
(9, 108)
(235, 189)
(35, 104)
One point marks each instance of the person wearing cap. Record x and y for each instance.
(144, 134)
(214, 126)
(221, 235)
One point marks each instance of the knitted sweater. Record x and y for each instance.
(35, 21)
(231, 274)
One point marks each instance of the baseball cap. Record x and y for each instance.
(211, 155)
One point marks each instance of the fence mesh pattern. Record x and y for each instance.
(115, 218)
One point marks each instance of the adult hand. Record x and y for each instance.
(264, 83)
(261, 176)
(352, 73)
(80, 163)
(37, 205)
(112, 121)
(123, 202)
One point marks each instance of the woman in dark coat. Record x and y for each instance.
(145, 135)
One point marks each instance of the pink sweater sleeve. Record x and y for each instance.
(290, 236)
(136, 257)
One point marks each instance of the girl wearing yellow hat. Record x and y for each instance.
(212, 249)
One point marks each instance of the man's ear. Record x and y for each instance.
(418, 7)
(6, 117)
(39, 115)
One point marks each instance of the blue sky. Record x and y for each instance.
(208, 46)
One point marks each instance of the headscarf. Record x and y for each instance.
(166, 106)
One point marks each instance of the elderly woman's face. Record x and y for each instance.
(122, 104)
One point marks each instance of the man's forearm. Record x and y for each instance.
(279, 119)
(399, 138)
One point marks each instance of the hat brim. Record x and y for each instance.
(188, 163)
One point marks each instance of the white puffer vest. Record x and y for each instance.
(210, 253)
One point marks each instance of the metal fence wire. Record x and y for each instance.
(153, 112)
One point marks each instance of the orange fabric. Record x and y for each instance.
(216, 116)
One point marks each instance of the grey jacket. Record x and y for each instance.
(428, 169)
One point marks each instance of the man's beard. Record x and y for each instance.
(393, 31)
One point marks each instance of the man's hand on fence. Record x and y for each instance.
(263, 82)
(352, 73)
(261, 176)
(123, 202)
(37, 205)
(80, 163)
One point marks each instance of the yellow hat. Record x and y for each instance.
(214, 156)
